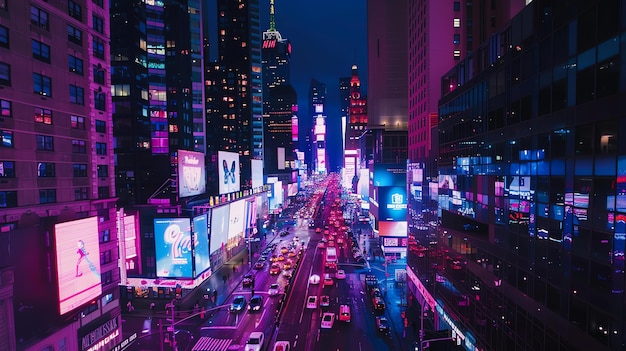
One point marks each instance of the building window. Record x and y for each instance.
(75, 64)
(120, 90)
(5, 74)
(457, 6)
(101, 126)
(98, 24)
(101, 148)
(457, 23)
(99, 100)
(80, 170)
(6, 109)
(4, 37)
(39, 17)
(75, 35)
(7, 169)
(74, 10)
(81, 193)
(47, 196)
(79, 146)
(98, 74)
(43, 115)
(103, 171)
(45, 142)
(105, 236)
(6, 138)
(107, 277)
(100, 3)
(77, 95)
(103, 192)
(40, 51)
(457, 39)
(78, 122)
(45, 169)
(8, 199)
(105, 257)
(98, 47)
(42, 85)
(457, 54)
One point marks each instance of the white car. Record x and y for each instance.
(328, 318)
(255, 341)
(325, 301)
(273, 290)
(311, 302)
(341, 274)
(314, 279)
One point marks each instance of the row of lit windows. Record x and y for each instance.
(44, 116)
(48, 170)
(8, 199)
(46, 143)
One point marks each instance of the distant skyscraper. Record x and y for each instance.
(317, 101)
(276, 54)
(344, 101)
(57, 184)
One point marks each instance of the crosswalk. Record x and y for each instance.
(206, 343)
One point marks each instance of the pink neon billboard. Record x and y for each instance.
(78, 263)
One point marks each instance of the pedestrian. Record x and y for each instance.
(252, 291)
(152, 306)
(215, 296)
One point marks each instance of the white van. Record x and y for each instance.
(344, 313)
(282, 346)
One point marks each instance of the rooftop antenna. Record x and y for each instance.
(272, 22)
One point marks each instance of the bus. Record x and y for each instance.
(331, 257)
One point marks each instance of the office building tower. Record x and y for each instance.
(236, 89)
(276, 54)
(57, 188)
(317, 101)
(355, 129)
(344, 106)
(279, 121)
(156, 87)
(531, 187)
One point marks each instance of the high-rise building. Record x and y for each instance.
(235, 112)
(156, 88)
(276, 54)
(530, 188)
(317, 101)
(57, 194)
(344, 101)
(355, 129)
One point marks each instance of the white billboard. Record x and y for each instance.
(257, 173)
(191, 173)
(228, 172)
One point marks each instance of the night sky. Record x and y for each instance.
(327, 37)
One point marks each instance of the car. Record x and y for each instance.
(340, 274)
(311, 224)
(273, 290)
(238, 304)
(328, 280)
(344, 313)
(248, 280)
(273, 258)
(311, 302)
(314, 279)
(255, 341)
(281, 257)
(328, 319)
(282, 346)
(284, 250)
(382, 324)
(321, 245)
(259, 265)
(287, 274)
(284, 233)
(379, 304)
(292, 254)
(275, 269)
(318, 230)
(287, 265)
(255, 304)
(325, 301)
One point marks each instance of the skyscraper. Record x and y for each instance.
(276, 53)
(57, 193)
(317, 101)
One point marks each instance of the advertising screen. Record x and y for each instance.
(447, 181)
(389, 174)
(191, 173)
(228, 172)
(236, 223)
(172, 241)
(257, 173)
(201, 246)
(392, 203)
(219, 227)
(397, 229)
(131, 245)
(78, 262)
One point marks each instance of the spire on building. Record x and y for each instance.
(272, 33)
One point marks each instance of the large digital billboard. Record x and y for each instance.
(191, 173)
(219, 227)
(257, 173)
(78, 263)
(389, 174)
(228, 172)
(236, 223)
(173, 243)
(201, 247)
(392, 203)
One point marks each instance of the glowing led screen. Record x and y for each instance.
(389, 174)
(78, 262)
(257, 173)
(236, 223)
(219, 228)
(131, 245)
(201, 244)
(192, 176)
(228, 172)
(392, 203)
(172, 241)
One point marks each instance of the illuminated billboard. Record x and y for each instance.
(172, 241)
(396, 229)
(78, 263)
(236, 223)
(219, 228)
(257, 173)
(392, 203)
(294, 128)
(201, 246)
(228, 172)
(389, 174)
(191, 173)
(131, 245)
